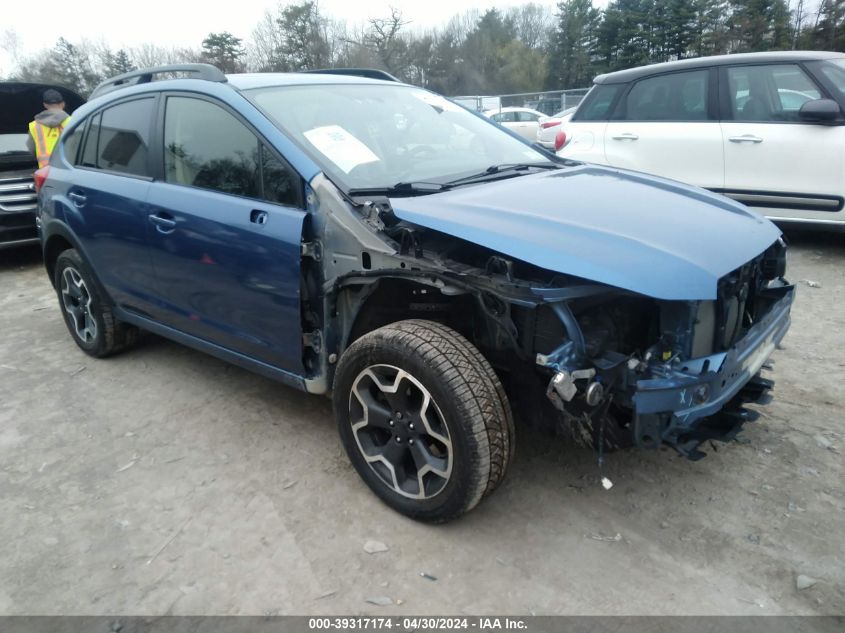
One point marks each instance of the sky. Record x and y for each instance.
(187, 22)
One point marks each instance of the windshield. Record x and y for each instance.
(13, 143)
(367, 136)
(834, 71)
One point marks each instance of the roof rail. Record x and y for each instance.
(145, 75)
(369, 73)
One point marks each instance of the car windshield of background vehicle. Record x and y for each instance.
(368, 136)
(834, 72)
(13, 144)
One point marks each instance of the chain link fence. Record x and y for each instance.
(548, 102)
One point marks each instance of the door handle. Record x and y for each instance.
(78, 198)
(627, 136)
(163, 222)
(257, 216)
(745, 138)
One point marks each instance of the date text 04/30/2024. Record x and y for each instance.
(417, 623)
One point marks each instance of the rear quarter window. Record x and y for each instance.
(72, 142)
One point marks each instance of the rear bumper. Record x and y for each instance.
(678, 405)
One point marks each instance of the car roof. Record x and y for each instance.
(205, 75)
(624, 76)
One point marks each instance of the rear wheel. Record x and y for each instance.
(87, 314)
(423, 418)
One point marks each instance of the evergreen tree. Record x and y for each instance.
(72, 67)
(829, 32)
(224, 50)
(710, 34)
(573, 44)
(759, 25)
(116, 63)
(305, 45)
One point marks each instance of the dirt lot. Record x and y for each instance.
(164, 481)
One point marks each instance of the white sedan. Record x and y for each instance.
(523, 121)
(549, 126)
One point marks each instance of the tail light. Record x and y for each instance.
(39, 177)
(560, 140)
(548, 124)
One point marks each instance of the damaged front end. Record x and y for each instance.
(689, 386)
(619, 332)
(655, 305)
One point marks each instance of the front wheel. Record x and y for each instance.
(423, 418)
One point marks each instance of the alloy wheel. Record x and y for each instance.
(77, 304)
(400, 431)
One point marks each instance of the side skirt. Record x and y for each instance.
(235, 358)
(779, 200)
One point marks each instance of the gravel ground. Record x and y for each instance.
(163, 481)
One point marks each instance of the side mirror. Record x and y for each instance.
(819, 111)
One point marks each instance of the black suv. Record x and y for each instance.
(19, 103)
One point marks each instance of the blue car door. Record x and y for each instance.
(105, 199)
(225, 226)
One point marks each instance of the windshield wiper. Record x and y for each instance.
(415, 188)
(504, 168)
(422, 187)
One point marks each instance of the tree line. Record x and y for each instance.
(519, 49)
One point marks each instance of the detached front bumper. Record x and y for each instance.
(686, 403)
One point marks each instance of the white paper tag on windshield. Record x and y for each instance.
(340, 147)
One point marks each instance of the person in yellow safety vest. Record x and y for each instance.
(45, 130)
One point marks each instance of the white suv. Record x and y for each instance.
(766, 129)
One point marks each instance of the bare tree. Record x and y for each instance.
(384, 39)
(150, 55)
(266, 43)
(534, 24)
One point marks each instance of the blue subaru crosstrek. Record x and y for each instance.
(355, 236)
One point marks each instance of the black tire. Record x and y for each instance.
(464, 439)
(88, 315)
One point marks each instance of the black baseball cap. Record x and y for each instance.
(53, 97)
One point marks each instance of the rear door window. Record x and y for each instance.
(505, 117)
(118, 139)
(671, 97)
(527, 117)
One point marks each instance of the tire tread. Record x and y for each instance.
(477, 390)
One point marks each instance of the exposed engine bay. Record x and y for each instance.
(613, 367)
